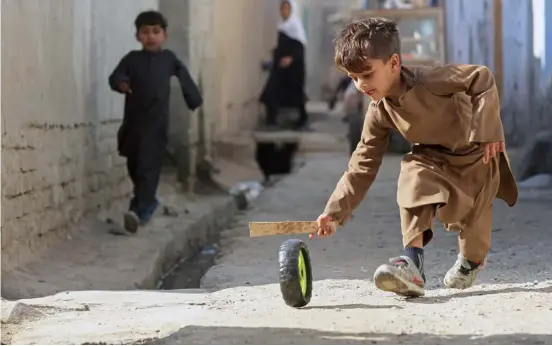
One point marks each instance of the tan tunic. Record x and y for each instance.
(446, 113)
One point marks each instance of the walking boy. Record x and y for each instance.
(144, 77)
(458, 163)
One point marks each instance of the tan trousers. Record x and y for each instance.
(474, 230)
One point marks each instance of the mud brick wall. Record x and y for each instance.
(59, 117)
(52, 175)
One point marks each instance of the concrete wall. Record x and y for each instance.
(223, 44)
(235, 37)
(474, 44)
(546, 62)
(240, 32)
(321, 72)
(59, 118)
(519, 95)
(177, 14)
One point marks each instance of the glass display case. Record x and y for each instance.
(422, 43)
(421, 30)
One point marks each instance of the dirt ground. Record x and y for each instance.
(240, 300)
(511, 302)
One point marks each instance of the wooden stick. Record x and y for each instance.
(261, 229)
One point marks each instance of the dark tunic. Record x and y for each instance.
(146, 116)
(143, 135)
(286, 86)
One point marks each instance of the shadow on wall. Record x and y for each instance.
(256, 336)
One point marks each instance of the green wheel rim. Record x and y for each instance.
(301, 265)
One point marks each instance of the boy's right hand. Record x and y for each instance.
(124, 87)
(326, 226)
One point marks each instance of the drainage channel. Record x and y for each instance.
(189, 271)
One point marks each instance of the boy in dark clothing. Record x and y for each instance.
(458, 164)
(144, 77)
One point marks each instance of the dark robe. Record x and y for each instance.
(146, 114)
(143, 135)
(285, 87)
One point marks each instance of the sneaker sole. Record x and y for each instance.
(389, 282)
(458, 284)
(131, 223)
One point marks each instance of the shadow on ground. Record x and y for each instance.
(467, 294)
(441, 299)
(236, 335)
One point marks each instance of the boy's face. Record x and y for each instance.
(151, 37)
(378, 78)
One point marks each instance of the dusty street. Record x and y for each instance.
(240, 302)
(512, 302)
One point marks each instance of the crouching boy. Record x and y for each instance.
(458, 163)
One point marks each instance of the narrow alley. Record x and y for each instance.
(239, 301)
(88, 257)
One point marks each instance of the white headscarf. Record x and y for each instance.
(293, 27)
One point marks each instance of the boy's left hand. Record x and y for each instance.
(491, 149)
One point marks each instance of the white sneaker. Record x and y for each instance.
(461, 276)
(401, 276)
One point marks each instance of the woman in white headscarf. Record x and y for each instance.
(285, 87)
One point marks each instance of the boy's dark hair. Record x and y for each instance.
(373, 38)
(150, 18)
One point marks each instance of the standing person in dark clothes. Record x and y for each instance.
(285, 87)
(344, 83)
(144, 77)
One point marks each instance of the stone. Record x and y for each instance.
(17, 312)
(536, 157)
(537, 181)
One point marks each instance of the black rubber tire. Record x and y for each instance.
(290, 285)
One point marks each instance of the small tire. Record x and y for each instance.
(295, 273)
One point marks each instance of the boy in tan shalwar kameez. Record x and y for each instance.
(458, 163)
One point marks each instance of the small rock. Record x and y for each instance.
(537, 181)
(17, 312)
(535, 159)
(169, 211)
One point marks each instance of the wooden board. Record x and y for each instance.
(261, 229)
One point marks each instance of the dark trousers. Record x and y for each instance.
(144, 169)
